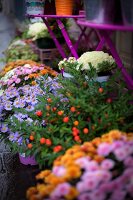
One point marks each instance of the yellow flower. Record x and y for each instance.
(31, 191)
(54, 180)
(73, 193)
(73, 172)
(43, 174)
(115, 134)
(41, 188)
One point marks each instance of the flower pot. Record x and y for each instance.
(127, 11)
(102, 79)
(64, 7)
(45, 43)
(29, 160)
(100, 11)
(35, 7)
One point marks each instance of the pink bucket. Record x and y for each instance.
(29, 160)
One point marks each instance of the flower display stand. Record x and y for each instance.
(29, 160)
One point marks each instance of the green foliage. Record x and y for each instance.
(98, 109)
(19, 52)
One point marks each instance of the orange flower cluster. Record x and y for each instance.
(72, 170)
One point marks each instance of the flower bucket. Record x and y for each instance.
(127, 11)
(100, 11)
(35, 7)
(29, 160)
(64, 7)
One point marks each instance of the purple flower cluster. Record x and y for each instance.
(14, 99)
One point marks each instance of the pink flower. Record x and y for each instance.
(104, 149)
(118, 194)
(117, 144)
(18, 80)
(130, 189)
(88, 184)
(97, 195)
(84, 196)
(59, 170)
(61, 190)
(10, 81)
(120, 154)
(83, 162)
(128, 162)
(92, 166)
(107, 164)
(26, 78)
(18, 72)
(80, 186)
(106, 175)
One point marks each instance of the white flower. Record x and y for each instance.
(8, 75)
(95, 58)
(65, 62)
(1, 92)
(36, 28)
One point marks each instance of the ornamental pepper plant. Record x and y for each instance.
(79, 110)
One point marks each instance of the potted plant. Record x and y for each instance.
(102, 62)
(97, 169)
(39, 33)
(65, 115)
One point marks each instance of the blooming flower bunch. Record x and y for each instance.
(100, 169)
(65, 63)
(11, 65)
(100, 61)
(37, 30)
(26, 98)
(22, 75)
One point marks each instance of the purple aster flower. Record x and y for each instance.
(20, 140)
(34, 101)
(8, 106)
(17, 103)
(13, 137)
(29, 120)
(22, 104)
(28, 99)
(29, 108)
(4, 128)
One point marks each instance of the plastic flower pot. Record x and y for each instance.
(45, 43)
(29, 160)
(127, 11)
(35, 7)
(64, 7)
(100, 11)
